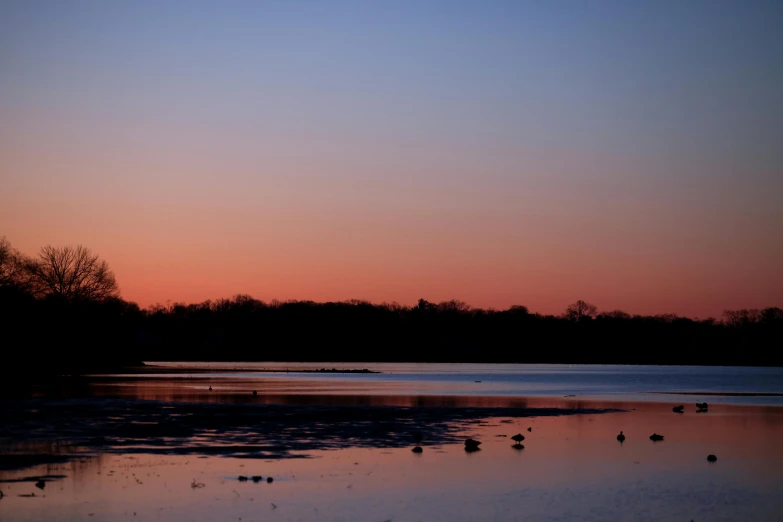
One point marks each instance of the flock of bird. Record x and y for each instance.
(701, 407)
(472, 445)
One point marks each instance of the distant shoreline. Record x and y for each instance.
(723, 394)
(155, 369)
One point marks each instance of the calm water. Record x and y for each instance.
(728, 385)
(572, 468)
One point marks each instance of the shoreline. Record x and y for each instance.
(720, 394)
(154, 370)
(65, 429)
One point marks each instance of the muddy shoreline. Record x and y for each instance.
(35, 431)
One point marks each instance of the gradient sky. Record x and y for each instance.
(536, 153)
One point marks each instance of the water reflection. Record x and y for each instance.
(302, 392)
(572, 468)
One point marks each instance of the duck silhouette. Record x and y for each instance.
(471, 445)
(518, 438)
(621, 437)
(418, 437)
(655, 437)
(712, 458)
(678, 409)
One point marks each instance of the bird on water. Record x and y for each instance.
(472, 445)
(418, 437)
(621, 437)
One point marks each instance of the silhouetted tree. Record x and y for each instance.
(12, 263)
(580, 311)
(741, 317)
(90, 328)
(72, 273)
(615, 314)
(772, 316)
(519, 310)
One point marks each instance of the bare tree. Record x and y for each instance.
(616, 315)
(72, 273)
(12, 265)
(580, 311)
(742, 317)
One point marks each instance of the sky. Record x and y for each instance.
(501, 153)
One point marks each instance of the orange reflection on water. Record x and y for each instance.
(571, 467)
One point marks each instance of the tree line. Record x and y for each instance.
(63, 313)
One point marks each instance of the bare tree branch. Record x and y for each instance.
(12, 266)
(72, 273)
(580, 311)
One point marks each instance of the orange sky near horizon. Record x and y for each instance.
(190, 255)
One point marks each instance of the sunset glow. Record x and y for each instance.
(519, 153)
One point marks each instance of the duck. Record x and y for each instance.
(655, 437)
(417, 436)
(678, 409)
(518, 438)
(472, 445)
(621, 437)
(712, 458)
(40, 484)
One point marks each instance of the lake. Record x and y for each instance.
(160, 445)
